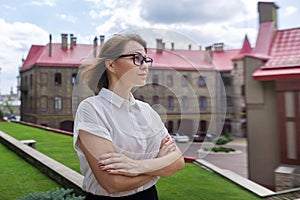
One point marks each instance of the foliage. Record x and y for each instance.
(222, 149)
(221, 140)
(53, 194)
(1, 114)
(9, 106)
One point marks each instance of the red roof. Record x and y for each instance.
(284, 60)
(264, 39)
(39, 56)
(223, 59)
(245, 50)
(175, 59)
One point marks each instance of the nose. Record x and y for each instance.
(144, 65)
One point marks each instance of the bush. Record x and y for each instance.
(1, 114)
(53, 194)
(221, 140)
(222, 149)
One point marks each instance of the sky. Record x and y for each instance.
(204, 22)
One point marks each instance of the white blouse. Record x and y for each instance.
(133, 127)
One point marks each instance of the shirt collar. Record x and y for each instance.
(115, 99)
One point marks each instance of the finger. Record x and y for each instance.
(108, 155)
(110, 160)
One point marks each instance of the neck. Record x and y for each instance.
(121, 91)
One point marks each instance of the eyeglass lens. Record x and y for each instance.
(138, 60)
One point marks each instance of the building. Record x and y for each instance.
(272, 97)
(185, 86)
(10, 105)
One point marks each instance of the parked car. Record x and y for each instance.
(200, 137)
(180, 137)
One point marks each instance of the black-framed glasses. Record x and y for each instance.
(138, 59)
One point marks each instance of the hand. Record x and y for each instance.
(115, 163)
(167, 145)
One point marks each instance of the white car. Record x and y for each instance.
(180, 137)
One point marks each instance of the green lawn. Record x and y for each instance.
(18, 178)
(191, 183)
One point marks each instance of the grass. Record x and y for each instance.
(54, 145)
(191, 183)
(18, 178)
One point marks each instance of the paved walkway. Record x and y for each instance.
(236, 162)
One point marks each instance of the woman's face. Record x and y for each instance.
(127, 73)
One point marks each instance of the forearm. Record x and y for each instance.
(110, 182)
(164, 166)
(125, 183)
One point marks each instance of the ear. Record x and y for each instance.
(109, 65)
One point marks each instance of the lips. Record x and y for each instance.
(144, 74)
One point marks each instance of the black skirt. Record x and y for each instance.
(149, 194)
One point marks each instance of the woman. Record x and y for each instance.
(122, 144)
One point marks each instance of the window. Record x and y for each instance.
(235, 66)
(155, 80)
(243, 90)
(184, 102)
(57, 78)
(201, 81)
(226, 81)
(170, 126)
(202, 102)
(57, 103)
(169, 80)
(26, 80)
(184, 80)
(73, 80)
(170, 102)
(229, 101)
(30, 80)
(155, 100)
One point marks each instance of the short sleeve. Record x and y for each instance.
(89, 119)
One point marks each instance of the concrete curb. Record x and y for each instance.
(237, 179)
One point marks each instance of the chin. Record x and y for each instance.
(140, 84)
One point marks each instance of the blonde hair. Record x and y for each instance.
(94, 74)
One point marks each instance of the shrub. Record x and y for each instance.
(221, 140)
(1, 114)
(222, 149)
(55, 193)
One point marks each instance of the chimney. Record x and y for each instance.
(172, 46)
(95, 46)
(190, 47)
(72, 41)
(102, 38)
(208, 54)
(200, 47)
(219, 46)
(267, 12)
(64, 41)
(159, 46)
(50, 45)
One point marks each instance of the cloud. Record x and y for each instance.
(203, 23)
(50, 3)
(290, 10)
(67, 18)
(190, 11)
(16, 39)
(8, 7)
